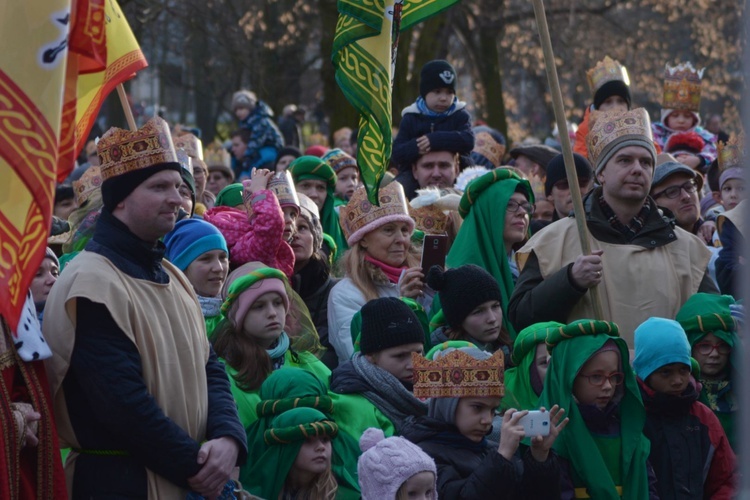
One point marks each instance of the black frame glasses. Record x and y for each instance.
(672, 192)
(513, 207)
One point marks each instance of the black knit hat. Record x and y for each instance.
(117, 188)
(615, 87)
(556, 171)
(388, 322)
(462, 289)
(437, 74)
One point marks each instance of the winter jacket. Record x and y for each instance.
(662, 133)
(469, 470)
(690, 453)
(728, 264)
(257, 238)
(446, 133)
(265, 133)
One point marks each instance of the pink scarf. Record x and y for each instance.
(392, 273)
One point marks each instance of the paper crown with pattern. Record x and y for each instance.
(731, 153)
(122, 151)
(283, 187)
(459, 375)
(186, 163)
(191, 144)
(682, 87)
(90, 181)
(359, 216)
(606, 70)
(487, 146)
(216, 156)
(610, 128)
(430, 207)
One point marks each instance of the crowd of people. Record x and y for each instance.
(245, 323)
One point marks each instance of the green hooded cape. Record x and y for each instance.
(480, 239)
(576, 444)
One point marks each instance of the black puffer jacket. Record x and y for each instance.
(469, 470)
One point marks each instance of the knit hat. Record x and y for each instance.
(339, 160)
(437, 74)
(611, 131)
(538, 153)
(50, 254)
(659, 342)
(387, 463)
(230, 196)
(608, 78)
(309, 210)
(127, 158)
(64, 192)
(615, 87)
(359, 216)
(316, 150)
(244, 99)
(462, 289)
(388, 322)
(191, 238)
(245, 290)
(685, 142)
(288, 151)
(705, 313)
(666, 166)
(556, 171)
(312, 167)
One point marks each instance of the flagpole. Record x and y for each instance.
(562, 127)
(126, 107)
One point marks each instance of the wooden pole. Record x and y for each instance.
(126, 107)
(562, 126)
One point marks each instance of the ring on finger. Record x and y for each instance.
(598, 274)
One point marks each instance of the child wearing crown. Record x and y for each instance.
(465, 386)
(680, 113)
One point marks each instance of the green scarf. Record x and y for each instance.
(266, 478)
(519, 392)
(291, 388)
(575, 443)
(480, 239)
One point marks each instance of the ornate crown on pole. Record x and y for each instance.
(90, 181)
(121, 151)
(191, 144)
(459, 375)
(731, 153)
(606, 70)
(682, 87)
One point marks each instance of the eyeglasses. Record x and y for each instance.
(673, 192)
(706, 348)
(599, 378)
(513, 207)
(563, 184)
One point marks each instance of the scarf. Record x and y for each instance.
(210, 306)
(631, 230)
(277, 351)
(718, 396)
(387, 393)
(392, 273)
(424, 110)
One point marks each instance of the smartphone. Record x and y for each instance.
(535, 423)
(434, 250)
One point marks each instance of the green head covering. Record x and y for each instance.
(480, 239)
(312, 167)
(281, 443)
(579, 341)
(705, 313)
(230, 196)
(285, 390)
(244, 282)
(519, 393)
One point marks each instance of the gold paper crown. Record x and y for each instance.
(191, 144)
(358, 216)
(682, 87)
(283, 187)
(122, 151)
(90, 181)
(730, 153)
(216, 156)
(610, 127)
(429, 219)
(459, 375)
(487, 146)
(606, 70)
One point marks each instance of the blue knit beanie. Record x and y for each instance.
(189, 239)
(659, 342)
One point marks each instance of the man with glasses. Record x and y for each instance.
(677, 188)
(643, 265)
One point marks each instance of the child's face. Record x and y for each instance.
(347, 181)
(264, 321)
(605, 364)
(314, 458)
(712, 354)
(474, 417)
(439, 100)
(483, 323)
(242, 113)
(680, 120)
(614, 103)
(421, 486)
(670, 379)
(316, 190)
(541, 360)
(732, 193)
(290, 221)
